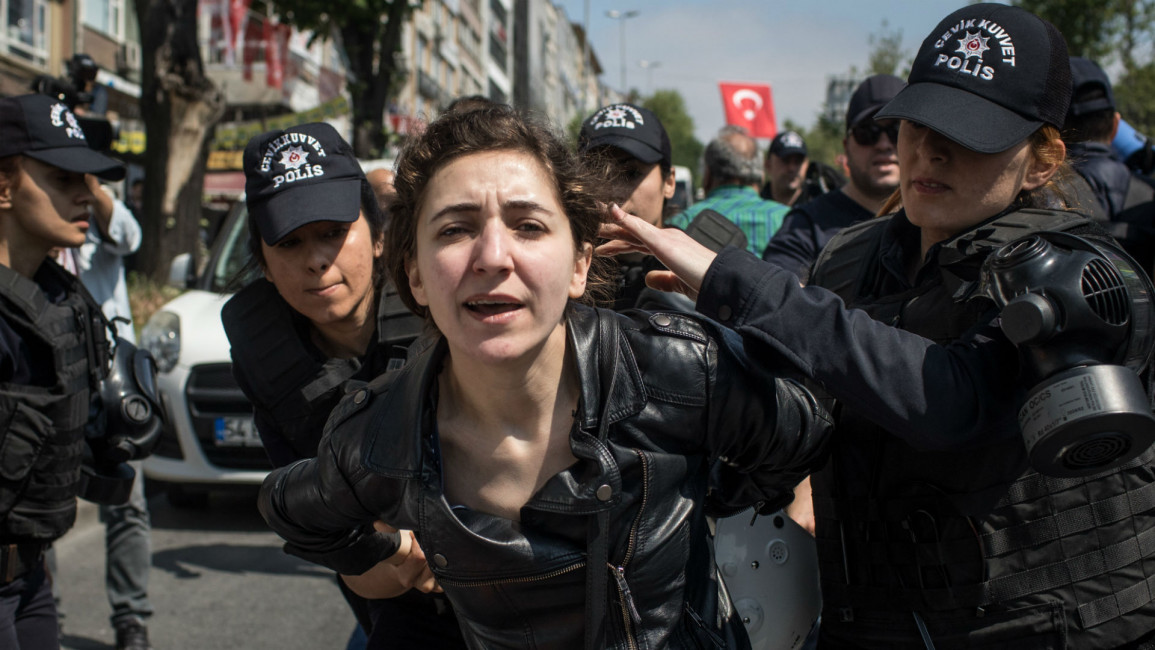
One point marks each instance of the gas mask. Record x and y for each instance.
(131, 424)
(1080, 313)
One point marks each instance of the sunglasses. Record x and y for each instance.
(867, 133)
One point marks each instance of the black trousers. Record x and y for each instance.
(28, 613)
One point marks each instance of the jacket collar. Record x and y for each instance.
(628, 396)
(405, 406)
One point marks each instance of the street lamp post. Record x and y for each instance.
(649, 66)
(621, 17)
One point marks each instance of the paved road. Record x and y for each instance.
(219, 580)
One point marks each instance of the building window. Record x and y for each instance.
(498, 38)
(25, 35)
(105, 16)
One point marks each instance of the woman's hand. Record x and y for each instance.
(404, 570)
(687, 259)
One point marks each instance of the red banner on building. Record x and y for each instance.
(751, 107)
(276, 37)
(234, 24)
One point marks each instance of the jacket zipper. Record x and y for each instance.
(506, 581)
(631, 619)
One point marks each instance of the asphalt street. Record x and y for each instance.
(219, 580)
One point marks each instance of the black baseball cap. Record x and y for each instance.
(633, 129)
(987, 77)
(788, 143)
(872, 94)
(44, 129)
(1086, 76)
(299, 175)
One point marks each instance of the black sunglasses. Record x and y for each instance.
(867, 132)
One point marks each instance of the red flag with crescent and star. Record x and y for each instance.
(750, 106)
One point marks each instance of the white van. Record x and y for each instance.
(683, 190)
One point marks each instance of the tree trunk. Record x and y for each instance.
(372, 48)
(180, 107)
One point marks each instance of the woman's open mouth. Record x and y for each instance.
(492, 307)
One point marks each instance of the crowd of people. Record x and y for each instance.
(506, 391)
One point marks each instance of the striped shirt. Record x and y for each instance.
(757, 217)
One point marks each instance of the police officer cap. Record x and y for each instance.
(788, 143)
(43, 128)
(987, 77)
(872, 94)
(1086, 77)
(299, 175)
(633, 129)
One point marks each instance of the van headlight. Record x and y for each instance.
(161, 337)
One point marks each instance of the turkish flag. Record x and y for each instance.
(750, 106)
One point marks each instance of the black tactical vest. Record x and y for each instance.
(42, 488)
(288, 383)
(985, 550)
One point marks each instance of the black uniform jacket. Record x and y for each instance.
(684, 392)
(928, 504)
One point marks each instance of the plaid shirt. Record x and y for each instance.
(757, 217)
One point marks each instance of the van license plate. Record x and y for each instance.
(236, 432)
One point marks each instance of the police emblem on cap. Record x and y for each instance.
(294, 157)
(61, 116)
(617, 116)
(972, 44)
(791, 140)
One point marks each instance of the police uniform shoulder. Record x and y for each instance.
(847, 255)
(1018, 224)
(1046, 219)
(858, 229)
(259, 299)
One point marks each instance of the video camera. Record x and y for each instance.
(73, 90)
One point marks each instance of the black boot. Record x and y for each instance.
(132, 636)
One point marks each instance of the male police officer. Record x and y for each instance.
(1111, 192)
(792, 178)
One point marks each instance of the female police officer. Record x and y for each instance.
(933, 529)
(49, 329)
(322, 315)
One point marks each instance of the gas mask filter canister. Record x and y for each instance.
(1081, 314)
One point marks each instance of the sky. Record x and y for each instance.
(793, 46)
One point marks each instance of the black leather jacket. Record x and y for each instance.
(684, 392)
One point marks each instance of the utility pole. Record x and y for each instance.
(622, 17)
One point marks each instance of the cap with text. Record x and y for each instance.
(299, 175)
(44, 129)
(987, 77)
(632, 129)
